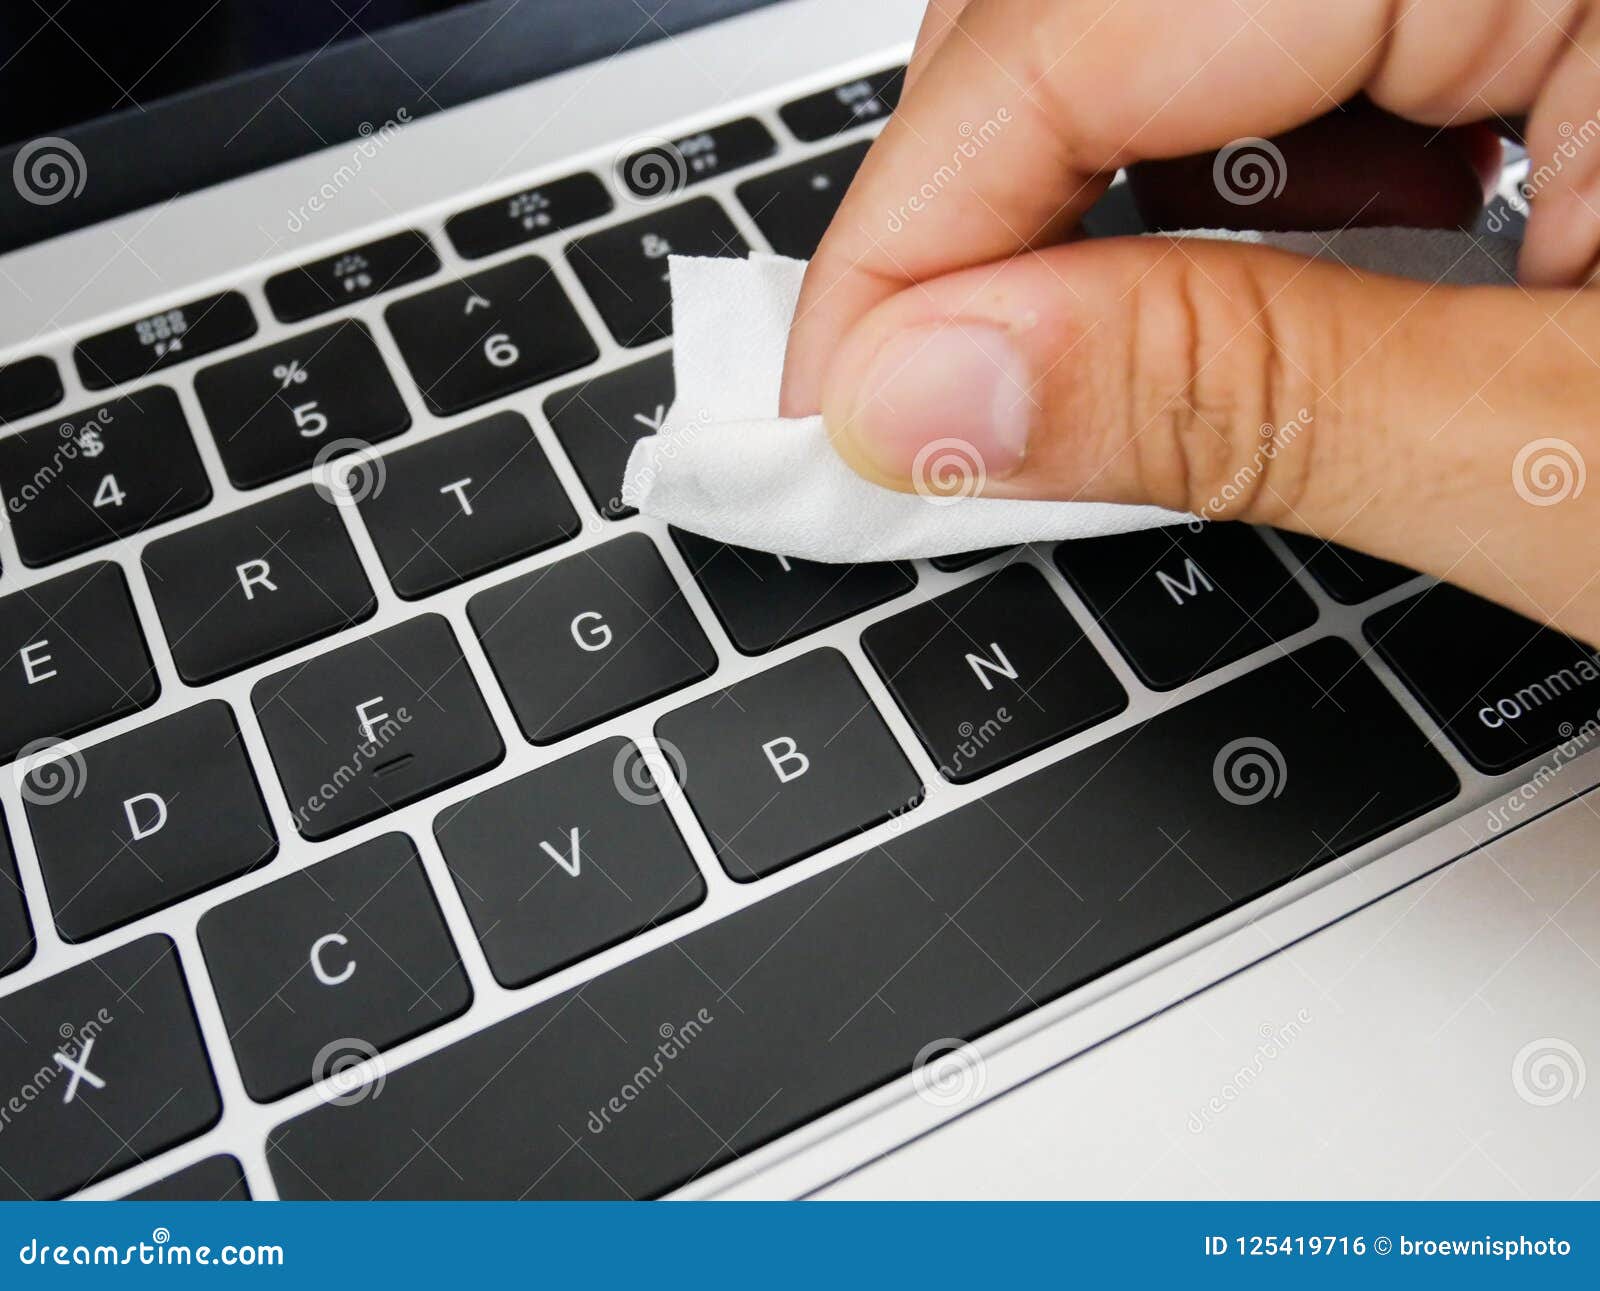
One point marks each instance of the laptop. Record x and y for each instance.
(387, 811)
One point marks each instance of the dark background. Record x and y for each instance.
(165, 96)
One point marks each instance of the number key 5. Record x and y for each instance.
(274, 410)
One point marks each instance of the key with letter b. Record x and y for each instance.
(787, 763)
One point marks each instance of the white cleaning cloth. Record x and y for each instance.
(727, 466)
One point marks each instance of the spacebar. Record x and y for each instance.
(674, 1063)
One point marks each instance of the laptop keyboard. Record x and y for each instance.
(588, 788)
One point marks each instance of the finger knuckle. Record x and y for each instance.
(1221, 412)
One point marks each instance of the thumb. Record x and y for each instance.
(1244, 383)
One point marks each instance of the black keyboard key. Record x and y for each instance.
(113, 1051)
(1503, 687)
(567, 860)
(786, 763)
(599, 422)
(531, 213)
(16, 933)
(278, 410)
(217, 1178)
(326, 968)
(963, 560)
(488, 335)
(28, 386)
(765, 600)
(1350, 577)
(672, 165)
(99, 475)
(1115, 215)
(589, 637)
(351, 275)
(150, 818)
(1180, 603)
(624, 268)
(460, 504)
(855, 103)
(136, 349)
(790, 1007)
(992, 671)
(71, 657)
(794, 206)
(234, 591)
(373, 725)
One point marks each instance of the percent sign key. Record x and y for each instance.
(327, 385)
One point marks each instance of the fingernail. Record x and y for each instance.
(933, 389)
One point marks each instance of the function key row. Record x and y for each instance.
(664, 168)
(161, 340)
(792, 206)
(832, 111)
(342, 279)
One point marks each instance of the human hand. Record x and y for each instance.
(949, 299)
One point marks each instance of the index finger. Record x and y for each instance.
(1025, 110)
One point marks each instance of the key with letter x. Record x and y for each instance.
(112, 1056)
(79, 1067)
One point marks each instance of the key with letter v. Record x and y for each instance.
(571, 861)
